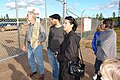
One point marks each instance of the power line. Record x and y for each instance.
(73, 13)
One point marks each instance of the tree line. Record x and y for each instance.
(98, 16)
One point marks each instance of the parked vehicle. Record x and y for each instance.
(9, 25)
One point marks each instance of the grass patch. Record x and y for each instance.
(87, 43)
(118, 45)
(118, 41)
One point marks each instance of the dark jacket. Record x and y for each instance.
(68, 51)
(56, 36)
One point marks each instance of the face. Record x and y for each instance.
(67, 25)
(29, 17)
(53, 21)
(103, 27)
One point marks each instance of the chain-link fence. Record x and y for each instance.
(10, 27)
(94, 25)
(90, 33)
(13, 27)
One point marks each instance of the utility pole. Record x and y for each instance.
(46, 26)
(46, 16)
(16, 7)
(119, 12)
(64, 10)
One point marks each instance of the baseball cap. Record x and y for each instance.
(55, 16)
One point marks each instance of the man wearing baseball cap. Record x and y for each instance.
(56, 36)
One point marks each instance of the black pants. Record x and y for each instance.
(97, 65)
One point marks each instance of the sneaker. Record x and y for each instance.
(95, 77)
(31, 74)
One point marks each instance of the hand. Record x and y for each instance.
(23, 48)
(40, 42)
(98, 43)
(55, 56)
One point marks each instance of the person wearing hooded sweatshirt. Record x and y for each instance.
(68, 48)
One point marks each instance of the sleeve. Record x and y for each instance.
(49, 38)
(94, 47)
(71, 50)
(25, 38)
(43, 34)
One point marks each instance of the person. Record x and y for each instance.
(34, 37)
(56, 36)
(68, 48)
(106, 43)
(99, 30)
(110, 69)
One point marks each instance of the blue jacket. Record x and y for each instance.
(94, 45)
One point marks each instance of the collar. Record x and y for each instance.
(58, 26)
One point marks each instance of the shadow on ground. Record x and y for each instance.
(18, 67)
(22, 59)
(16, 73)
(89, 70)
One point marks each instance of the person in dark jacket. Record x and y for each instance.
(68, 48)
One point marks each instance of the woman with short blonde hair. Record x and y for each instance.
(100, 27)
(99, 30)
(110, 69)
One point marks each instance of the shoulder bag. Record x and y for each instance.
(76, 66)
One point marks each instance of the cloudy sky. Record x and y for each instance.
(90, 7)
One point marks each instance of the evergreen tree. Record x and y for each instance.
(113, 14)
(7, 17)
(101, 16)
(97, 16)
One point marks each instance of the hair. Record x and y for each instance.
(110, 69)
(108, 23)
(32, 13)
(72, 21)
(99, 28)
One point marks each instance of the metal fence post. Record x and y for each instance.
(16, 7)
(81, 22)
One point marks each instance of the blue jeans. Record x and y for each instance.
(36, 53)
(54, 64)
